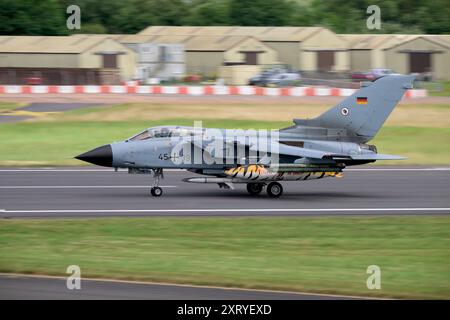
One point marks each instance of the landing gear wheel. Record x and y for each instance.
(254, 188)
(274, 190)
(156, 191)
(157, 174)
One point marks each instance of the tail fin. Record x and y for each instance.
(363, 113)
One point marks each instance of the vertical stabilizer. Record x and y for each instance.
(363, 113)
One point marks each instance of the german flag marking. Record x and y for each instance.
(361, 100)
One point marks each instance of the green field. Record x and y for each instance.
(313, 254)
(438, 89)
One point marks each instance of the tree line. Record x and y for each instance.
(48, 17)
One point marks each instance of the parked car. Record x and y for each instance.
(424, 76)
(262, 78)
(373, 74)
(33, 81)
(193, 78)
(283, 79)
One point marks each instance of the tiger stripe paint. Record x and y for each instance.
(256, 172)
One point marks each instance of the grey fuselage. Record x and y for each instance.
(158, 152)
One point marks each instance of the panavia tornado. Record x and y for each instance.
(309, 149)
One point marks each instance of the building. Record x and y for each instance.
(405, 54)
(65, 60)
(421, 54)
(205, 53)
(367, 51)
(165, 61)
(171, 52)
(309, 49)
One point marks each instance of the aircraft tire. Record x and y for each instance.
(254, 188)
(156, 191)
(274, 190)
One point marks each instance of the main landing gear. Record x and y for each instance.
(274, 189)
(156, 191)
(255, 188)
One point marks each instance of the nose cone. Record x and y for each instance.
(101, 156)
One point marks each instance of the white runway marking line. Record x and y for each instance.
(228, 210)
(78, 187)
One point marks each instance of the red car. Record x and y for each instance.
(33, 81)
(371, 75)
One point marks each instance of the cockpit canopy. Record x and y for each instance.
(165, 132)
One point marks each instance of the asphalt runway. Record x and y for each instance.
(12, 116)
(89, 192)
(58, 107)
(13, 287)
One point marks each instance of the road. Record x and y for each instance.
(14, 287)
(89, 192)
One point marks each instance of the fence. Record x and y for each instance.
(194, 90)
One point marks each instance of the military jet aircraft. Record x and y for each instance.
(309, 149)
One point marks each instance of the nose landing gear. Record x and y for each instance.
(156, 191)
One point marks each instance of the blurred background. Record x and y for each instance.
(228, 56)
(256, 42)
(57, 56)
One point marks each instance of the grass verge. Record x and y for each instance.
(313, 254)
(438, 89)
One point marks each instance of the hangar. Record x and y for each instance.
(165, 61)
(66, 60)
(401, 53)
(309, 49)
(205, 53)
(366, 50)
(421, 54)
(316, 51)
